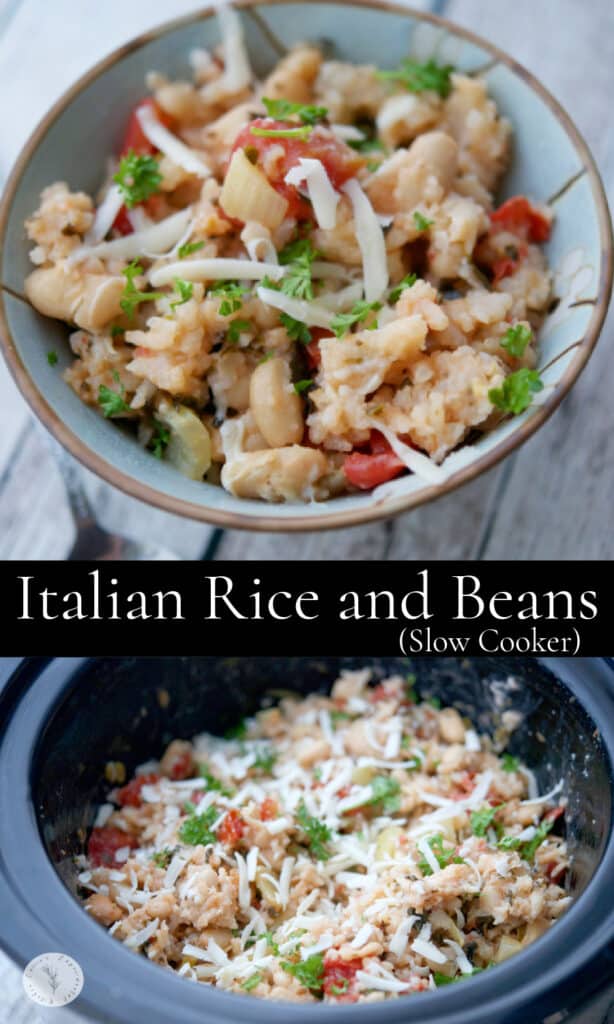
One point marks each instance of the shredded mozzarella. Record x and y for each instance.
(428, 950)
(430, 858)
(362, 936)
(464, 966)
(371, 241)
(169, 144)
(237, 70)
(415, 461)
(138, 938)
(284, 880)
(105, 215)
(155, 239)
(244, 891)
(348, 132)
(309, 313)
(547, 796)
(215, 269)
(398, 941)
(322, 195)
(379, 983)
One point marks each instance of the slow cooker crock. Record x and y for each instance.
(63, 719)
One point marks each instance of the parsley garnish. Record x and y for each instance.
(365, 145)
(514, 395)
(339, 989)
(316, 831)
(236, 732)
(444, 979)
(281, 110)
(184, 290)
(251, 982)
(132, 297)
(442, 856)
(339, 716)
(273, 946)
(422, 222)
(510, 763)
(138, 178)
(189, 248)
(341, 322)
(516, 339)
(282, 133)
(435, 702)
(385, 792)
(298, 257)
(427, 77)
(309, 972)
(482, 820)
(265, 760)
(231, 293)
(112, 402)
(296, 330)
(196, 830)
(395, 293)
(509, 843)
(527, 849)
(116, 330)
(301, 386)
(162, 858)
(52, 358)
(236, 329)
(211, 782)
(266, 357)
(160, 438)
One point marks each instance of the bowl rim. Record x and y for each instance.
(338, 518)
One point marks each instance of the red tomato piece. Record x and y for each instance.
(104, 843)
(367, 470)
(555, 813)
(182, 767)
(130, 794)
(518, 216)
(314, 356)
(231, 829)
(341, 162)
(134, 138)
(340, 979)
(268, 809)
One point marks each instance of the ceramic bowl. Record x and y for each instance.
(551, 163)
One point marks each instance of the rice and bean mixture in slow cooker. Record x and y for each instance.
(300, 287)
(351, 847)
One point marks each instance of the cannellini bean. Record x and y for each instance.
(451, 726)
(103, 909)
(276, 474)
(276, 408)
(89, 300)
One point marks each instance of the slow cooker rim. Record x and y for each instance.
(42, 700)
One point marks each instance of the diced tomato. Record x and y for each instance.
(122, 222)
(134, 138)
(340, 979)
(344, 791)
(182, 766)
(519, 217)
(341, 162)
(104, 843)
(130, 795)
(231, 829)
(464, 786)
(268, 809)
(367, 470)
(555, 813)
(314, 356)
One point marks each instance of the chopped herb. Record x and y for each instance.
(341, 322)
(184, 289)
(236, 329)
(266, 357)
(395, 294)
(427, 77)
(414, 763)
(296, 330)
(251, 982)
(442, 855)
(444, 979)
(268, 935)
(435, 702)
(309, 972)
(162, 858)
(52, 358)
(410, 678)
(422, 222)
(138, 178)
(300, 386)
(516, 339)
(514, 395)
(237, 732)
(132, 297)
(298, 257)
(281, 110)
(373, 165)
(160, 438)
(530, 847)
(265, 760)
(509, 843)
(231, 293)
(282, 133)
(338, 989)
(211, 782)
(385, 792)
(365, 145)
(316, 831)
(116, 330)
(112, 402)
(482, 820)
(189, 248)
(317, 774)
(509, 763)
(339, 716)
(196, 830)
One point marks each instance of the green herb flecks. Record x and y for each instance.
(251, 982)
(317, 833)
(296, 330)
(303, 132)
(516, 339)
(231, 293)
(416, 77)
(301, 386)
(52, 358)
(510, 763)
(514, 395)
(482, 819)
(160, 439)
(189, 248)
(196, 829)
(237, 328)
(113, 403)
(309, 972)
(211, 782)
(444, 856)
(162, 858)
(184, 290)
(282, 110)
(298, 256)
(138, 177)
(341, 322)
(395, 293)
(422, 222)
(131, 296)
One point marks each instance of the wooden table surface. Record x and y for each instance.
(553, 499)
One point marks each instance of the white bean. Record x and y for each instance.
(277, 409)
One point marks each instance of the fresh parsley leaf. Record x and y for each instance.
(132, 297)
(265, 761)
(435, 702)
(516, 339)
(443, 856)
(138, 177)
(482, 820)
(300, 386)
(112, 402)
(237, 732)
(422, 222)
(309, 972)
(366, 145)
(162, 858)
(189, 248)
(529, 848)
(444, 979)
(338, 989)
(514, 395)
(281, 110)
(251, 982)
(302, 132)
(509, 763)
(373, 165)
(385, 791)
(159, 441)
(231, 293)
(116, 330)
(316, 831)
(273, 946)
(395, 293)
(266, 357)
(184, 289)
(236, 329)
(427, 77)
(196, 829)
(341, 322)
(298, 257)
(509, 843)
(52, 358)
(337, 716)
(296, 330)
(211, 782)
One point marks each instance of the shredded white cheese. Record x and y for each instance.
(362, 936)
(371, 241)
(425, 948)
(320, 191)
(170, 145)
(215, 269)
(415, 461)
(398, 942)
(244, 890)
(237, 70)
(105, 215)
(430, 858)
(138, 938)
(309, 313)
(547, 797)
(379, 983)
(155, 239)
